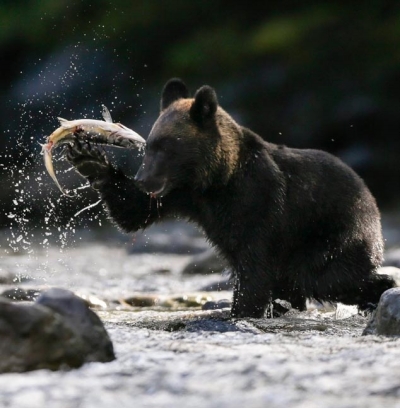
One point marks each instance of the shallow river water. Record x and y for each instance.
(173, 354)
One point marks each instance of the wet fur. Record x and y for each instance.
(293, 224)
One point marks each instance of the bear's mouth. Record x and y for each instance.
(160, 192)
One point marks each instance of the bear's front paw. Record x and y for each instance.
(90, 163)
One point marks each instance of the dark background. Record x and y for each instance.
(306, 74)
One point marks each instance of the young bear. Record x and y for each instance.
(293, 224)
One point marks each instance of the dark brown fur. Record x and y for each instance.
(293, 224)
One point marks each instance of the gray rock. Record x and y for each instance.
(220, 304)
(84, 322)
(21, 294)
(57, 332)
(371, 325)
(205, 263)
(386, 319)
(33, 337)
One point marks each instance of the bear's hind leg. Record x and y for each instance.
(368, 292)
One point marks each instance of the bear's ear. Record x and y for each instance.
(205, 104)
(173, 90)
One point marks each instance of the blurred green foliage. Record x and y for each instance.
(211, 40)
(211, 37)
(307, 74)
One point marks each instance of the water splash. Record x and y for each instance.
(68, 83)
(87, 207)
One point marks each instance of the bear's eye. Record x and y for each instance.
(164, 144)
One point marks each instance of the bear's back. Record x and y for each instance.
(318, 176)
(322, 192)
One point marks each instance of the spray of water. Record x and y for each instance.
(37, 214)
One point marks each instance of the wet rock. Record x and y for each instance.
(33, 337)
(141, 301)
(175, 302)
(189, 301)
(21, 294)
(385, 320)
(220, 304)
(148, 301)
(371, 325)
(204, 263)
(58, 331)
(84, 322)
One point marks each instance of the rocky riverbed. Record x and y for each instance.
(171, 353)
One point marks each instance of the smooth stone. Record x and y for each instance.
(141, 301)
(84, 322)
(34, 337)
(385, 320)
(58, 331)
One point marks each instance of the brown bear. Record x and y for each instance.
(293, 224)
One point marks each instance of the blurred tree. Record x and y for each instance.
(307, 74)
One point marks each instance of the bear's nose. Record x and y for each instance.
(138, 179)
(149, 184)
(140, 176)
(141, 182)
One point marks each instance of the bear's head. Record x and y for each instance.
(194, 143)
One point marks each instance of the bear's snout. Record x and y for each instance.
(150, 185)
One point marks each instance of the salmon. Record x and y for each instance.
(103, 132)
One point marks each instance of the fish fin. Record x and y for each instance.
(43, 146)
(64, 122)
(49, 167)
(106, 114)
